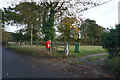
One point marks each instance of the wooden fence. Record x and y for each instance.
(56, 45)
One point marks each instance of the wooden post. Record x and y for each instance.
(66, 49)
(50, 49)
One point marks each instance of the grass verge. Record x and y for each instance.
(36, 51)
(41, 51)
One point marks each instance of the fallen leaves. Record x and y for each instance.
(88, 76)
(54, 70)
(55, 64)
(33, 66)
(80, 72)
(70, 72)
(83, 68)
(60, 58)
(67, 64)
(108, 76)
(105, 71)
(95, 76)
(53, 60)
(65, 70)
(7, 74)
(116, 72)
(63, 59)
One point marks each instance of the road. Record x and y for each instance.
(17, 66)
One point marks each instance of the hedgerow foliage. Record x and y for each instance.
(111, 41)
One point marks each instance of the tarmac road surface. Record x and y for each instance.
(17, 66)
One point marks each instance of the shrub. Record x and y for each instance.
(111, 41)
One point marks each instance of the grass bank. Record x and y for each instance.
(41, 51)
(34, 51)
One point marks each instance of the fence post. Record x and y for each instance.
(66, 49)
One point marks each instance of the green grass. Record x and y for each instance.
(85, 50)
(33, 46)
(30, 50)
(42, 51)
(61, 47)
(34, 51)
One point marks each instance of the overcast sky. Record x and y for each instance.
(105, 15)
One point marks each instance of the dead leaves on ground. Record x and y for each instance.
(80, 72)
(7, 74)
(116, 72)
(65, 70)
(108, 76)
(33, 66)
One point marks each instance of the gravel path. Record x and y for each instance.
(89, 56)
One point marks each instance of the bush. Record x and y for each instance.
(113, 65)
(111, 41)
(5, 44)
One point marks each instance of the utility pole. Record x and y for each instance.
(31, 34)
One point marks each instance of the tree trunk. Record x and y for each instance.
(92, 40)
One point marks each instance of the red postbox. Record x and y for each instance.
(47, 44)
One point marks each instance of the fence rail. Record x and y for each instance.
(60, 47)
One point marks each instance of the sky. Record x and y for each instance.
(105, 15)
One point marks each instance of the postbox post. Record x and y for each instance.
(50, 50)
(47, 45)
